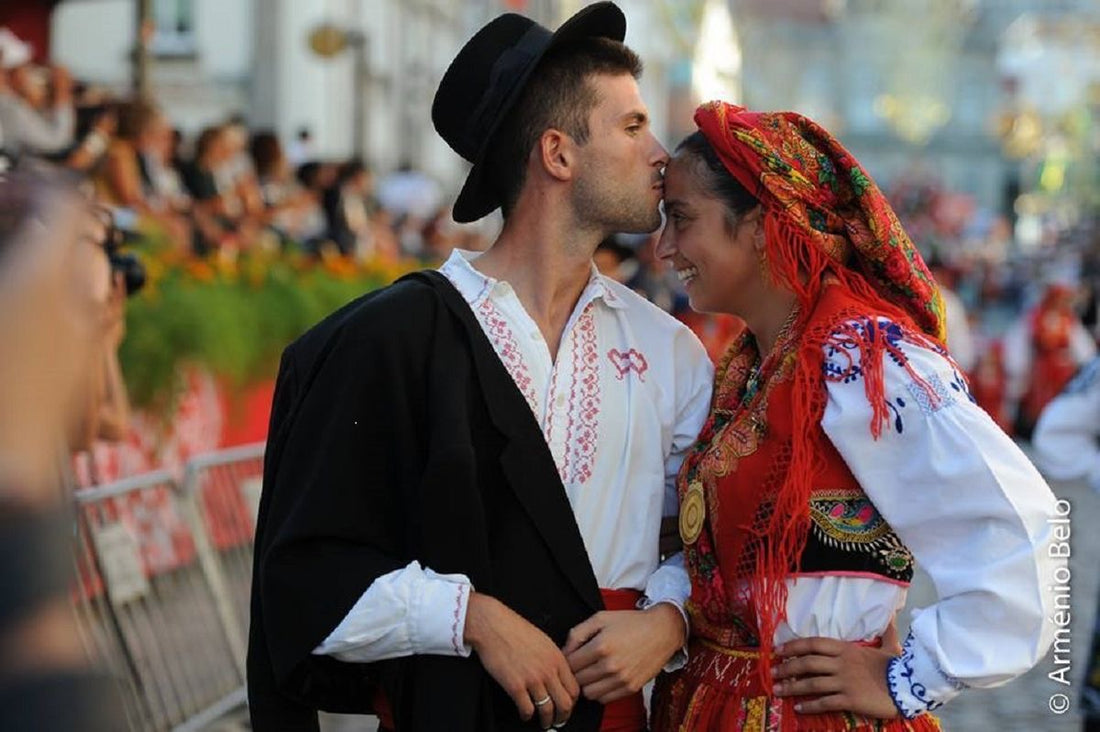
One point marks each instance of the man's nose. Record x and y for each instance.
(660, 155)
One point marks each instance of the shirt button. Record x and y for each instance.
(535, 335)
(560, 401)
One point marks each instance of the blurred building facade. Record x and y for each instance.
(909, 86)
(915, 86)
(212, 58)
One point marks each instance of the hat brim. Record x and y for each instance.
(477, 197)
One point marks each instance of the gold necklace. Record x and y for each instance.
(693, 506)
(752, 384)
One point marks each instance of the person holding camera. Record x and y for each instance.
(24, 128)
(48, 332)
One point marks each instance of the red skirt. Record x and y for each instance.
(720, 690)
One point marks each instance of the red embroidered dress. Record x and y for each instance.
(742, 461)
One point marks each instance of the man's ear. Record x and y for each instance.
(558, 154)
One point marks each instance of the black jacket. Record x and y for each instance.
(397, 434)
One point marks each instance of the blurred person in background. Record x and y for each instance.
(238, 174)
(1067, 447)
(442, 235)
(409, 192)
(1043, 351)
(36, 105)
(301, 149)
(959, 338)
(346, 207)
(315, 178)
(614, 259)
(53, 285)
(96, 128)
(136, 174)
(289, 208)
(989, 383)
(219, 214)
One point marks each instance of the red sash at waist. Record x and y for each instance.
(627, 714)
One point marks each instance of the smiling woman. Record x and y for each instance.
(839, 436)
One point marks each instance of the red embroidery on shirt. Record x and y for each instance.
(584, 404)
(504, 343)
(624, 363)
(454, 627)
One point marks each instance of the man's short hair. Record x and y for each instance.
(559, 95)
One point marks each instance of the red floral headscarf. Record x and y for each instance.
(824, 212)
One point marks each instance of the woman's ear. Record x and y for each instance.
(755, 219)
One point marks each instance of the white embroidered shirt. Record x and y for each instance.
(619, 407)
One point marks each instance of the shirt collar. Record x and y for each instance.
(474, 285)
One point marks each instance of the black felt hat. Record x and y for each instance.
(484, 81)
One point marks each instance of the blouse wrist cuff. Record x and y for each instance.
(439, 621)
(678, 659)
(916, 683)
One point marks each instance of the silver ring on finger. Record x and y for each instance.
(543, 701)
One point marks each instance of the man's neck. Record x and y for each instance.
(547, 265)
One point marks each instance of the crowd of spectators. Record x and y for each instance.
(226, 187)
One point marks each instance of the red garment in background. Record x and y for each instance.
(988, 384)
(1052, 364)
(716, 331)
(29, 20)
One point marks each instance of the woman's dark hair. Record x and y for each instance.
(267, 153)
(712, 177)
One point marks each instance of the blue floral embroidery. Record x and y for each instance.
(899, 424)
(911, 696)
(842, 351)
(958, 383)
(899, 672)
(842, 365)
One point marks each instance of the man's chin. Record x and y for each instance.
(642, 225)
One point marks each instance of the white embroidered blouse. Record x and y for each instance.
(970, 507)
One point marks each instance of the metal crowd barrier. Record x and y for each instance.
(163, 572)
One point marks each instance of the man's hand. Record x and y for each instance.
(522, 659)
(844, 676)
(615, 652)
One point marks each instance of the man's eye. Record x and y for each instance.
(633, 129)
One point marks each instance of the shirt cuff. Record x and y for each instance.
(917, 684)
(437, 617)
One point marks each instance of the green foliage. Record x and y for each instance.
(232, 317)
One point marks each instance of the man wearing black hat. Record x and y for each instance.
(459, 463)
